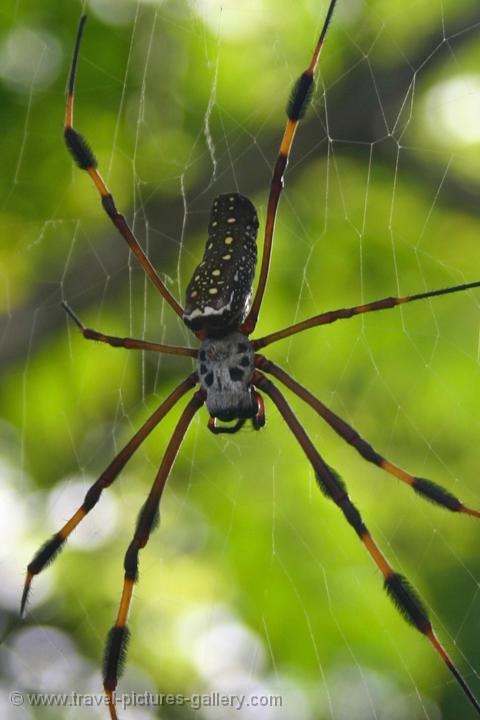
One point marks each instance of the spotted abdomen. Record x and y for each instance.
(219, 292)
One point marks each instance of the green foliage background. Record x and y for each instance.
(247, 546)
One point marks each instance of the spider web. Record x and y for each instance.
(253, 584)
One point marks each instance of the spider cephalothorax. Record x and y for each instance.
(225, 369)
(232, 374)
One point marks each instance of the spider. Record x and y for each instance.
(233, 376)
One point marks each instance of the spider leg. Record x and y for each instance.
(49, 550)
(296, 108)
(85, 159)
(331, 316)
(128, 343)
(117, 640)
(397, 586)
(426, 488)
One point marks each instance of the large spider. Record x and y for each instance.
(232, 374)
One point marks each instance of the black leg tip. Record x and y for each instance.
(25, 594)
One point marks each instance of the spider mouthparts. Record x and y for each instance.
(228, 429)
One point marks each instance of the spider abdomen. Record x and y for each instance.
(225, 370)
(219, 292)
